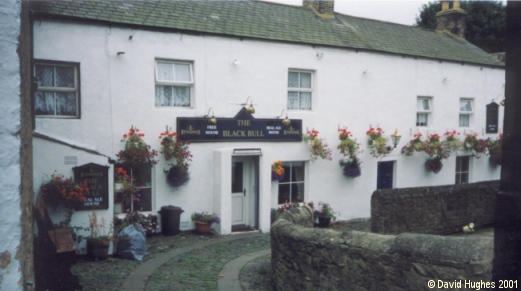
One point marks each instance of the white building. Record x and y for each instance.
(121, 61)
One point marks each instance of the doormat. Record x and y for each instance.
(242, 228)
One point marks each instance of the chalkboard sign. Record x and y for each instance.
(492, 117)
(98, 183)
(242, 127)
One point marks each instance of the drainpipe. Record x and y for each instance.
(507, 234)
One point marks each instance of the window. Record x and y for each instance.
(174, 83)
(299, 90)
(143, 179)
(291, 188)
(423, 109)
(462, 170)
(465, 111)
(58, 90)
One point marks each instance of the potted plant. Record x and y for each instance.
(172, 148)
(477, 146)
(98, 242)
(277, 171)
(494, 147)
(325, 214)
(204, 220)
(377, 143)
(136, 152)
(59, 190)
(349, 148)
(317, 146)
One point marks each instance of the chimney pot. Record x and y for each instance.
(451, 20)
(323, 8)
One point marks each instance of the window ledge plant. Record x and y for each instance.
(136, 152)
(317, 146)
(172, 148)
(349, 148)
(377, 143)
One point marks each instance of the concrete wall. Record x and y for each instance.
(305, 258)
(119, 91)
(10, 120)
(433, 210)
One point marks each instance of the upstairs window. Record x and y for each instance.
(300, 87)
(423, 111)
(174, 82)
(58, 93)
(465, 112)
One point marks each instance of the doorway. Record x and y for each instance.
(385, 175)
(245, 200)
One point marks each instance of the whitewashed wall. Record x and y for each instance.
(10, 231)
(118, 91)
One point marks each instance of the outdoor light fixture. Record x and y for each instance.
(502, 103)
(286, 121)
(120, 53)
(395, 138)
(250, 109)
(236, 62)
(211, 120)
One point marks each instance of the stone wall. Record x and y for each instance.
(433, 210)
(306, 258)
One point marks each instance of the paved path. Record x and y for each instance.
(172, 269)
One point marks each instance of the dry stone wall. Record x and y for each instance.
(433, 210)
(307, 258)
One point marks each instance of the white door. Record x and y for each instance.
(241, 189)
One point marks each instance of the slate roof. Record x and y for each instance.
(269, 21)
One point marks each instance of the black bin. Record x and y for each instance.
(170, 218)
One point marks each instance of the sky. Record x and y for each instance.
(397, 11)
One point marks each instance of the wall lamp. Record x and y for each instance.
(395, 138)
(211, 120)
(286, 120)
(502, 103)
(250, 109)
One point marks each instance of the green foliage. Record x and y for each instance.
(485, 21)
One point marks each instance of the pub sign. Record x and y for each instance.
(98, 183)
(242, 127)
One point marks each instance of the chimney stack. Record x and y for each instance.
(323, 8)
(451, 20)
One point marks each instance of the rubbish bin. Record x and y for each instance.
(170, 218)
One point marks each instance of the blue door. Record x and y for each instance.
(385, 175)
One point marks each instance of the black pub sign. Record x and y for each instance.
(242, 127)
(492, 117)
(98, 183)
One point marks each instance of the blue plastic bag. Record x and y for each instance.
(132, 243)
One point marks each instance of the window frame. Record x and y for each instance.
(460, 172)
(427, 113)
(288, 170)
(143, 185)
(174, 83)
(469, 114)
(76, 89)
(301, 89)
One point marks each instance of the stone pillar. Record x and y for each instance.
(507, 235)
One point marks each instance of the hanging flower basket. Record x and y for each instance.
(277, 171)
(352, 172)
(494, 148)
(317, 146)
(433, 165)
(178, 175)
(136, 152)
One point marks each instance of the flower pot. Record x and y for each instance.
(98, 249)
(276, 177)
(202, 227)
(323, 221)
(433, 165)
(352, 171)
